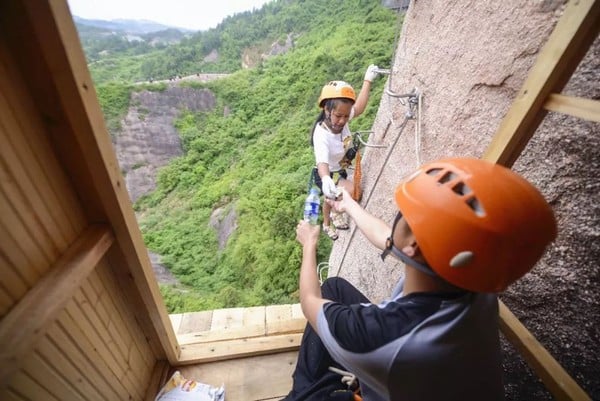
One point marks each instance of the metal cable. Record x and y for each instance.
(354, 229)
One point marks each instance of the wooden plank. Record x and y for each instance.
(254, 316)
(115, 299)
(101, 351)
(16, 256)
(280, 320)
(54, 63)
(574, 106)
(209, 337)
(29, 192)
(555, 378)
(18, 235)
(193, 322)
(44, 166)
(105, 341)
(160, 375)
(74, 88)
(141, 354)
(176, 319)
(225, 319)
(71, 364)
(233, 349)
(10, 395)
(6, 301)
(248, 379)
(573, 35)
(10, 280)
(29, 319)
(28, 389)
(50, 377)
(87, 357)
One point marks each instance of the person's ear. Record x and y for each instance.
(412, 249)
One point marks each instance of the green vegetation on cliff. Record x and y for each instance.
(251, 156)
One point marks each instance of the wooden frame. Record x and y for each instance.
(41, 41)
(572, 37)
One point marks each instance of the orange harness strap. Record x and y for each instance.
(357, 178)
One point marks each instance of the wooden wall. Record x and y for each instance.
(81, 314)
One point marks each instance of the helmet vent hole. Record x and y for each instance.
(449, 176)
(461, 189)
(474, 204)
(433, 171)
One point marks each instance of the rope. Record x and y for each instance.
(417, 102)
(321, 268)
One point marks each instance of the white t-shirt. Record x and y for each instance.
(329, 147)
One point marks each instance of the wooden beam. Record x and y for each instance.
(239, 348)
(46, 47)
(29, 320)
(566, 46)
(574, 106)
(554, 377)
(160, 375)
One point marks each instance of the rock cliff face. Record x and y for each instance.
(148, 139)
(468, 60)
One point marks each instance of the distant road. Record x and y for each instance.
(195, 77)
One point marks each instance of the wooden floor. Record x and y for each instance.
(250, 351)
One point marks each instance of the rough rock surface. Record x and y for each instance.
(468, 60)
(148, 139)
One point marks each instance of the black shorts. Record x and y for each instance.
(340, 174)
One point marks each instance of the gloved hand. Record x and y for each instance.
(329, 189)
(371, 73)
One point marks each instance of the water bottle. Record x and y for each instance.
(311, 206)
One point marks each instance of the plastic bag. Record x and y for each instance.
(178, 388)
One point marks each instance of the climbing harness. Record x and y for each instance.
(354, 153)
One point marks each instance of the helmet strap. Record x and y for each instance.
(390, 248)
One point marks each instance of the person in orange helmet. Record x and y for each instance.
(465, 230)
(331, 139)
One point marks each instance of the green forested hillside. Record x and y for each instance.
(255, 159)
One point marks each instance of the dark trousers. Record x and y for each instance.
(312, 380)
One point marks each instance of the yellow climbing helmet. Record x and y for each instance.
(336, 90)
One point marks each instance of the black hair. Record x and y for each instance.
(320, 118)
(328, 104)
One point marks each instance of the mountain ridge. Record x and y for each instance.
(131, 26)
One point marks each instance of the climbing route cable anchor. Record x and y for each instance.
(358, 135)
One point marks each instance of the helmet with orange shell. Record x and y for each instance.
(479, 225)
(336, 90)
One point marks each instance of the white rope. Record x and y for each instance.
(349, 379)
(323, 266)
(418, 130)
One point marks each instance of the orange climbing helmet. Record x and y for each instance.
(336, 89)
(479, 225)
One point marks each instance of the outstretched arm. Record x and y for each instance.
(375, 229)
(363, 96)
(311, 299)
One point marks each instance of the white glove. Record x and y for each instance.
(329, 189)
(371, 73)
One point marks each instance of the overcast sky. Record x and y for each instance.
(190, 14)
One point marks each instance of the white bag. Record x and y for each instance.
(178, 388)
